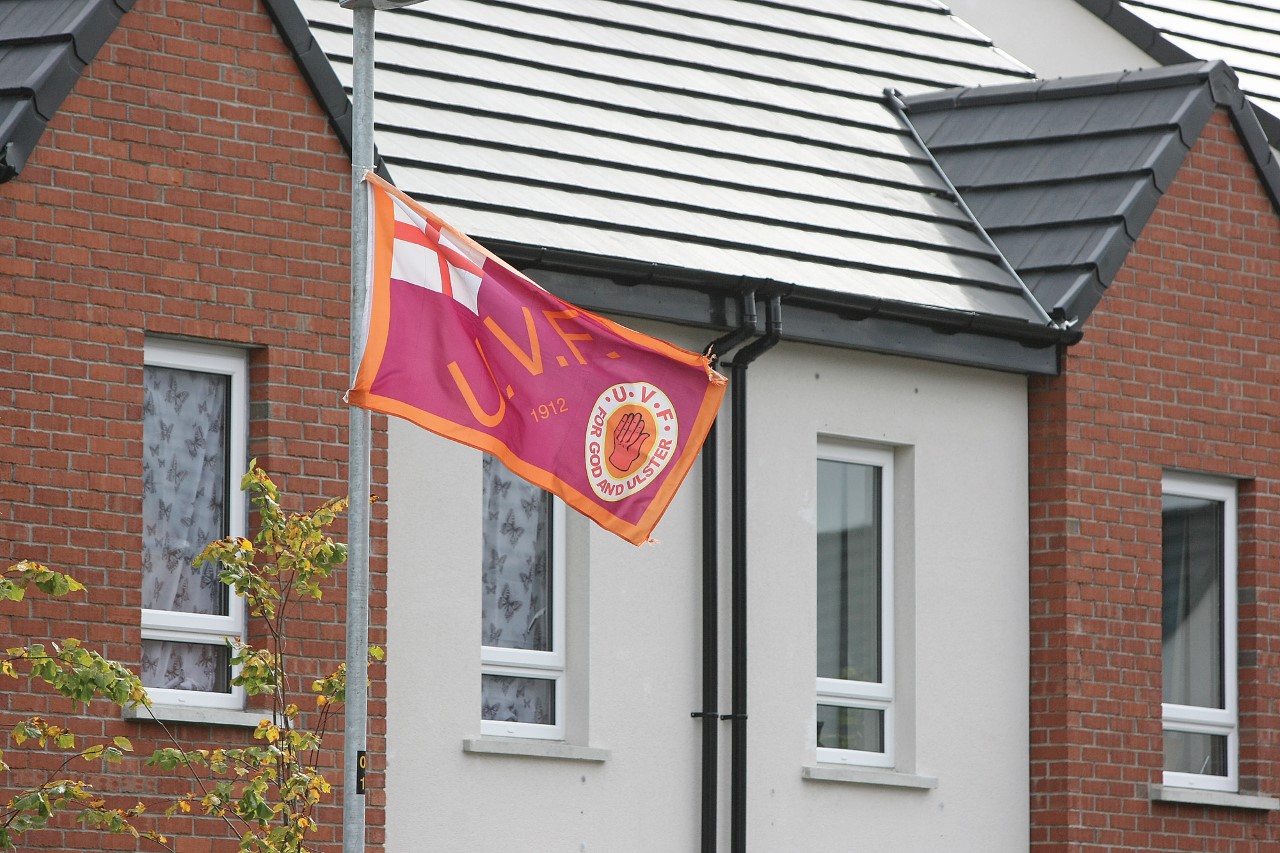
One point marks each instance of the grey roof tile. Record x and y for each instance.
(1064, 177)
(44, 47)
(1078, 290)
(1007, 207)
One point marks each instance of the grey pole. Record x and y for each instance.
(356, 718)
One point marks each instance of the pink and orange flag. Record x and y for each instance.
(462, 344)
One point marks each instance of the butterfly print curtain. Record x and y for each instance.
(183, 508)
(516, 599)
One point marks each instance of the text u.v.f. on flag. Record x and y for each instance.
(462, 344)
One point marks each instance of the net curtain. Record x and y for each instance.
(183, 508)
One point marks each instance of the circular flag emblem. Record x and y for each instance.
(630, 439)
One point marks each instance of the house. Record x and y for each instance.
(797, 188)
(851, 583)
(1098, 191)
(173, 301)
(1143, 205)
(176, 182)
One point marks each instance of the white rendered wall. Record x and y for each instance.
(1055, 38)
(636, 616)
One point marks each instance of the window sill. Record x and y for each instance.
(867, 776)
(533, 748)
(1199, 797)
(195, 714)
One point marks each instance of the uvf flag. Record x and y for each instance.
(462, 344)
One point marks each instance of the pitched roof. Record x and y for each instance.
(1064, 174)
(688, 154)
(44, 46)
(711, 147)
(1243, 33)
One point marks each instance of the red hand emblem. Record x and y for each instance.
(628, 440)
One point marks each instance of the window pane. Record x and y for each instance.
(849, 617)
(186, 666)
(516, 600)
(1193, 602)
(1192, 752)
(184, 500)
(850, 728)
(510, 699)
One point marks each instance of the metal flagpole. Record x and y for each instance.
(356, 718)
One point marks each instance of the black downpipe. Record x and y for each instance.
(711, 591)
(738, 638)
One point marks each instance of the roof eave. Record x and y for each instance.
(709, 300)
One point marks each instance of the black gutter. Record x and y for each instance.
(711, 589)
(738, 662)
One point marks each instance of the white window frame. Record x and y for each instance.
(1213, 721)
(863, 694)
(527, 663)
(203, 628)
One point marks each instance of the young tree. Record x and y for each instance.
(265, 794)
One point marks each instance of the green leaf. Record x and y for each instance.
(124, 743)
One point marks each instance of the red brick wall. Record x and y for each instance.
(189, 186)
(1179, 368)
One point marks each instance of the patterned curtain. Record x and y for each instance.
(183, 509)
(516, 600)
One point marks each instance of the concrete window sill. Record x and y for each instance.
(533, 748)
(867, 776)
(1198, 797)
(195, 714)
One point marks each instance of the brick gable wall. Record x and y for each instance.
(1179, 369)
(190, 186)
